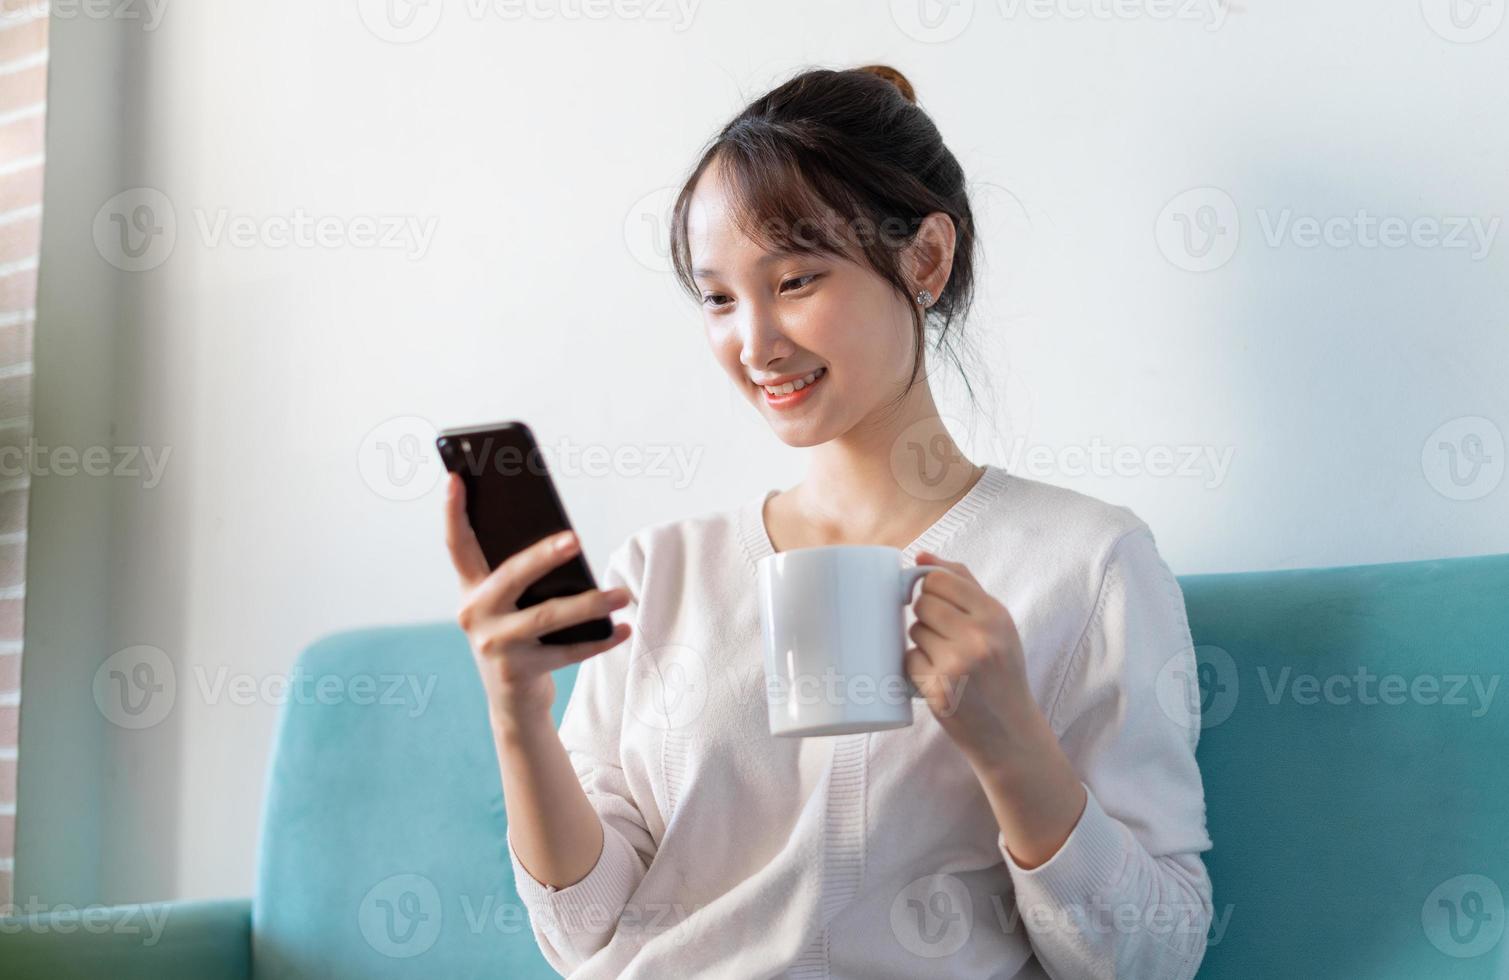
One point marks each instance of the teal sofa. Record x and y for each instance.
(1354, 751)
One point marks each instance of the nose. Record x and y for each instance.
(762, 341)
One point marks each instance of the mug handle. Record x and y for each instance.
(909, 579)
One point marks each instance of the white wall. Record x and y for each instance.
(266, 372)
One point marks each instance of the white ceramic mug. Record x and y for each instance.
(833, 619)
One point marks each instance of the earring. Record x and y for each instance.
(924, 298)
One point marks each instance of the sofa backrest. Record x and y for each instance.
(382, 850)
(1352, 747)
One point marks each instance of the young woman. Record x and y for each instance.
(1044, 815)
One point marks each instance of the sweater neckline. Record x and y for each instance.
(757, 544)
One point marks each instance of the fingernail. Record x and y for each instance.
(564, 541)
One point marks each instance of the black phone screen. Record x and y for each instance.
(512, 503)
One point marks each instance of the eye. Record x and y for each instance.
(800, 281)
(715, 300)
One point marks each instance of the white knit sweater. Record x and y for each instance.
(730, 853)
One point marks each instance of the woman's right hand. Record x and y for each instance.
(514, 665)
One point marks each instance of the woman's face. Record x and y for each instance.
(773, 317)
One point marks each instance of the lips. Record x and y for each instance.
(794, 384)
(794, 397)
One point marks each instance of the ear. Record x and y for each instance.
(930, 255)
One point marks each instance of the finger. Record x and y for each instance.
(941, 615)
(460, 539)
(553, 614)
(919, 669)
(570, 653)
(959, 568)
(502, 587)
(929, 639)
(957, 589)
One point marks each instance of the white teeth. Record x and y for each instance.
(796, 385)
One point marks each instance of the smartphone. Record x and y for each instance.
(512, 503)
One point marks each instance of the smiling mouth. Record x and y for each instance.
(786, 395)
(797, 385)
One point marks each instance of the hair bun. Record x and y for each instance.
(895, 78)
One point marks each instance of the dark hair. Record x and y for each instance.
(853, 145)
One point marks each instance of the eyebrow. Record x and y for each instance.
(766, 259)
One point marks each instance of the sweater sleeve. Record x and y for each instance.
(1127, 894)
(571, 924)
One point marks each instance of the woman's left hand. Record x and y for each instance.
(969, 664)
